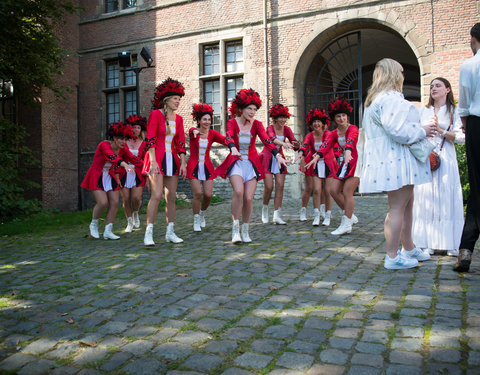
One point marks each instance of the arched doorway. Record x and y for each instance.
(344, 67)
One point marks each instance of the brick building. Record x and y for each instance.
(313, 50)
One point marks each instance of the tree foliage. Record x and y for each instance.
(30, 54)
(16, 159)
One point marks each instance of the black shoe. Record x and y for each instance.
(463, 261)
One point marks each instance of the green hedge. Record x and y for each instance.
(16, 157)
(463, 170)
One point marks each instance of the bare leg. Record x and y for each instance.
(308, 190)
(248, 193)
(398, 200)
(156, 190)
(406, 234)
(126, 201)
(349, 187)
(197, 195)
(334, 188)
(317, 192)
(102, 202)
(237, 198)
(279, 187)
(326, 198)
(171, 184)
(113, 197)
(136, 193)
(207, 193)
(267, 188)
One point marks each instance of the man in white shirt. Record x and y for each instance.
(469, 111)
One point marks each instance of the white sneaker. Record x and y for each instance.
(265, 214)
(328, 217)
(354, 219)
(345, 226)
(429, 251)
(202, 219)
(415, 253)
(196, 223)
(148, 239)
(245, 235)
(108, 234)
(399, 262)
(322, 211)
(94, 229)
(129, 227)
(170, 235)
(136, 220)
(316, 217)
(236, 238)
(303, 214)
(452, 253)
(277, 219)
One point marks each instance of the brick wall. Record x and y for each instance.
(297, 30)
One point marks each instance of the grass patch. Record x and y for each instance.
(55, 221)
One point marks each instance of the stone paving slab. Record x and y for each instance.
(297, 300)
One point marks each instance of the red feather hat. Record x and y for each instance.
(120, 129)
(200, 109)
(137, 120)
(128, 131)
(167, 88)
(243, 99)
(317, 114)
(338, 105)
(279, 110)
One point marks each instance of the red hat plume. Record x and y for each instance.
(338, 105)
(243, 99)
(200, 109)
(137, 120)
(167, 88)
(317, 114)
(279, 110)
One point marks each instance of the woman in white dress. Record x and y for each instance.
(438, 207)
(391, 124)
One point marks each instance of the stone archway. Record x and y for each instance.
(374, 39)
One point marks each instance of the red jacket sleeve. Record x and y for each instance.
(327, 144)
(130, 158)
(266, 140)
(218, 138)
(179, 138)
(230, 134)
(106, 150)
(351, 138)
(306, 146)
(271, 132)
(152, 128)
(289, 134)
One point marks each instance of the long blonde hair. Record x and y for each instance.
(388, 75)
(165, 111)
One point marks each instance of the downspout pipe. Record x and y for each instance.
(265, 49)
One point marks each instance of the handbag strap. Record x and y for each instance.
(449, 126)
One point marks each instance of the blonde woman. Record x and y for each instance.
(165, 159)
(391, 123)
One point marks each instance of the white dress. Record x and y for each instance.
(390, 124)
(438, 206)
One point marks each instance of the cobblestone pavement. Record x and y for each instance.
(295, 301)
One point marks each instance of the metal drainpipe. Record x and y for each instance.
(265, 47)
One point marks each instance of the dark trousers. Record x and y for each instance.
(471, 229)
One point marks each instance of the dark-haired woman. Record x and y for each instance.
(438, 205)
(132, 184)
(101, 180)
(342, 186)
(165, 159)
(281, 132)
(200, 170)
(317, 121)
(242, 166)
